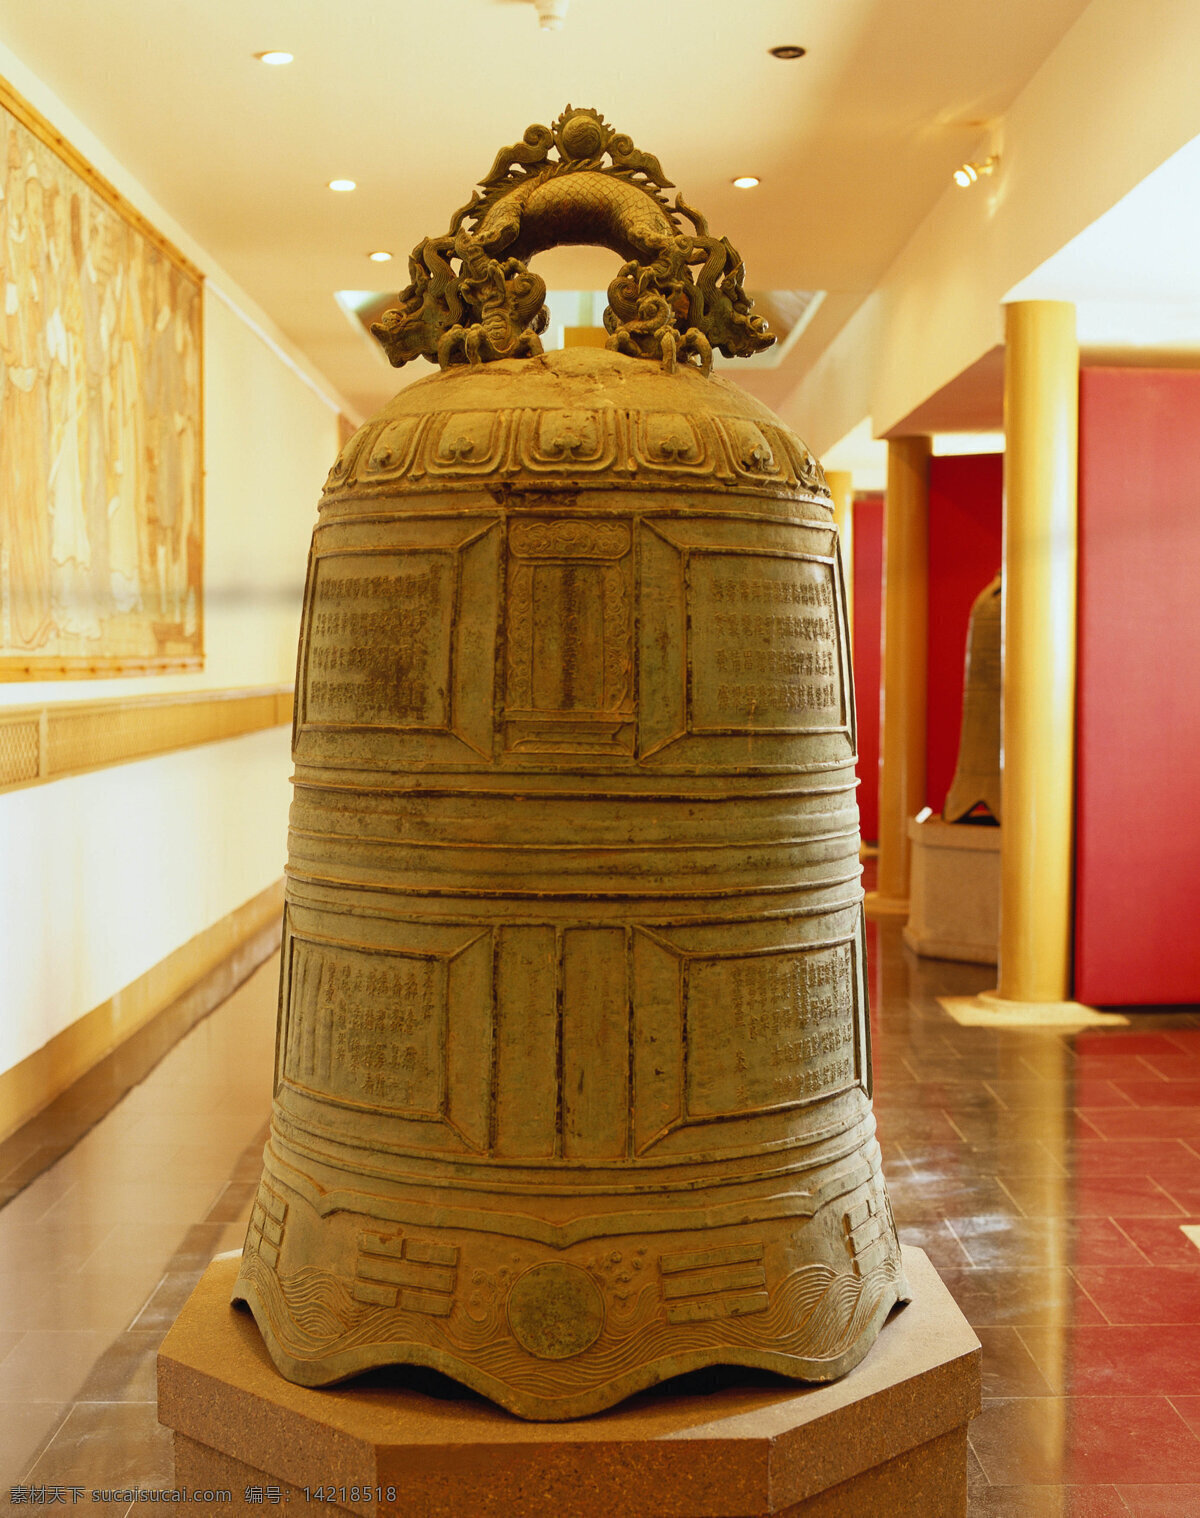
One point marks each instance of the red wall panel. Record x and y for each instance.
(868, 633)
(965, 504)
(1137, 859)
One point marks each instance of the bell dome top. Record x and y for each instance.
(582, 418)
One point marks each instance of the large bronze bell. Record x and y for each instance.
(573, 1078)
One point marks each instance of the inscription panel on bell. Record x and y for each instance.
(770, 1029)
(379, 639)
(763, 644)
(368, 1028)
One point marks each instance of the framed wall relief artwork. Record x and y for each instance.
(101, 461)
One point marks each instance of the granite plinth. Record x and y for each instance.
(889, 1437)
(954, 906)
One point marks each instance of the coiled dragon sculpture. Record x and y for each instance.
(678, 296)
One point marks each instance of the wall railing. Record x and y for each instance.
(53, 740)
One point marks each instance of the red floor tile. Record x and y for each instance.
(1116, 1045)
(1090, 1157)
(1161, 1501)
(1143, 1294)
(1185, 1193)
(1188, 1409)
(1084, 1441)
(1160, 1093)
(1156, 1122)
(1162, 1240)
(1173, 1067)
(1116, 1361)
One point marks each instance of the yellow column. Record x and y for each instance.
(841, 488)
(905, 618)
(1041, 423)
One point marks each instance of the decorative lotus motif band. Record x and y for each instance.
(678, 296)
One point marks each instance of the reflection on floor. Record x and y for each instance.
(1053, 1179)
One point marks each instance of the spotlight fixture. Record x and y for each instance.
(787, 52)
(275, 58)
(342, 185)
(380, 256)
(968, 173)
(746, 181)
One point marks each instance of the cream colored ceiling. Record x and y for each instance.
(853, 143)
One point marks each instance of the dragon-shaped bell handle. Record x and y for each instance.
(679, 295)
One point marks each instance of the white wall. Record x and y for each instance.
(1117, 97)
(103, 875)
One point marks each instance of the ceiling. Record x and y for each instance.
(853, 143)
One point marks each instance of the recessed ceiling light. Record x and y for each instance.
(788, 51)
(746, 181)
(342, 185)
(275, 58)
(380, 256)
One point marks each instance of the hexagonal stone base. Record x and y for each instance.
(890, 1437)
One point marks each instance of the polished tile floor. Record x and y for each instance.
(1051, 1178)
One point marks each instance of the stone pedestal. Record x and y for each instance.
(890, 1437)
(954, 905)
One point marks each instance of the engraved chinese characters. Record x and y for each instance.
(573, 1072)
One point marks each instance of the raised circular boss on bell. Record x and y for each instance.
(573, 1078)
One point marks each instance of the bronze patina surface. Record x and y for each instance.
(573, 1073)
(976, 780)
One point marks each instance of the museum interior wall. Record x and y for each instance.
(1080, 136)
(108, 875)
(1138, 750)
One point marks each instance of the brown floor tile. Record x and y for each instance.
(1027, 1296)
(127, 1370)
(1020, 1157)
(27, 1427)
(931, 1200)
(137, 1201)
(166, 1301)
(1047, 1502)
(22, 1290)
(1009, 1369)
(1113, 1196)
(1003, 1240)
(106, 1444)
(233, 1203)
(48, 1248)
(49, 1365)
(104, 1300)
(1057, 1095)
(938, 1242)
